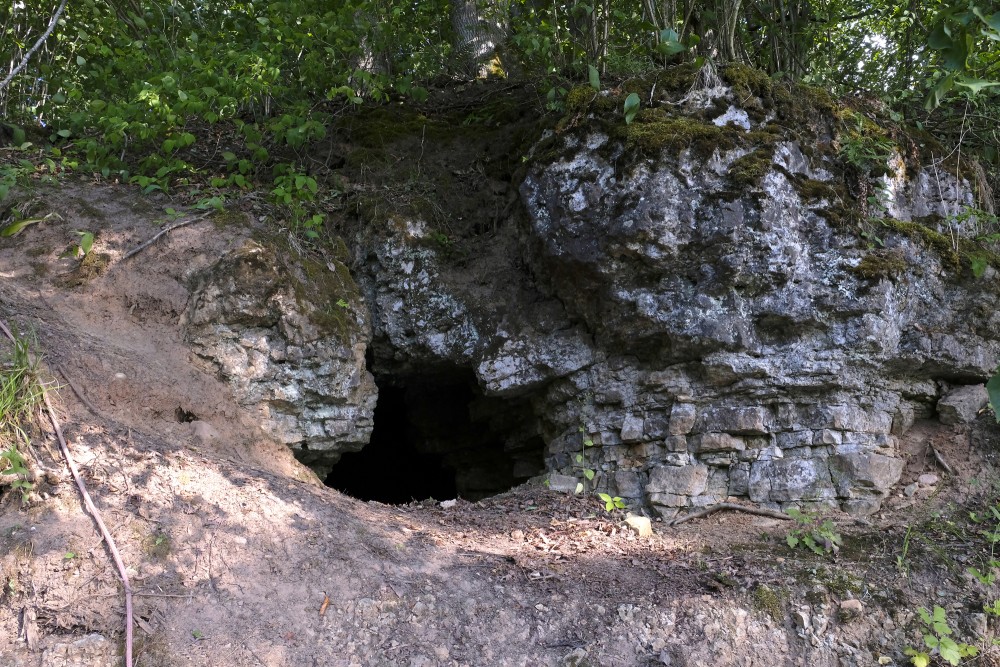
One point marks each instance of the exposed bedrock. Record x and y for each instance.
(689, 339)
(289, 334)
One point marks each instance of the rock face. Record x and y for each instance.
(295, 354)
(737, 329)
(694, 307)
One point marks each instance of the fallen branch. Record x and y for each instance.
(731, 506)
(94, 512)
(166, 230)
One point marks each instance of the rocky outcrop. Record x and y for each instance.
(696, 306)
(709, 341)
(289, 335)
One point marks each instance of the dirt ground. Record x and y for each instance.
(239, 556)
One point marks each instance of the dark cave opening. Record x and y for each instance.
(436, 436)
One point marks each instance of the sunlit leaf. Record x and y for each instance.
(631, 107)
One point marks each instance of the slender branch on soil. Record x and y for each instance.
(942, 462)
(731, 506)
(94, 512)
(76, 390)
(166, 230)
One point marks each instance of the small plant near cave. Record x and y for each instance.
(611, 503)
(581, 460)
(819, 537)
(987, 576)
(937, 638)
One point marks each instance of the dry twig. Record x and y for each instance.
(166, 230)
(941, 462)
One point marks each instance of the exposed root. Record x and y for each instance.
(731, 506)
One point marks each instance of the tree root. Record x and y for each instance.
(730, 506)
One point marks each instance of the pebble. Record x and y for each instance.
(928, 479)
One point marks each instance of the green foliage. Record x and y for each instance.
(20, 394)
(993, 389)
(864, 145)
(581, 461)
(987, 576)
(295, 191)
(611, 502)
(819, 537)
(631, 108)
(233, 95)
(937, 637)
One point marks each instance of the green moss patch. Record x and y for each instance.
(880, 264)
(747, 171)
(766, 600)
(652, 132)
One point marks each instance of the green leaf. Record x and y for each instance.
(975, 85)
(792, 541)
(595, 77)
(65, 134)
(631, 107)
(579, 487)
(605, 497)
(993, 389)
(15, 228)
(86, 241)
(588, 473)
(939, 38)
(950, 651)
(81, 61)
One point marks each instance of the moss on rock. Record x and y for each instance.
(880, 264)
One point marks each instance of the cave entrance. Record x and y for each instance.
(436, 436)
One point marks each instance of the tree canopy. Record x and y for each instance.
(123, 87)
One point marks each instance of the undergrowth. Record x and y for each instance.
(20, 396)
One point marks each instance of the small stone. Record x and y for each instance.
(448, 504)
(927, 479)
(575, 658)
(563, 483)
(640, 525)
(517, 535)
(801, 619)
(910, 489)
(850, 609)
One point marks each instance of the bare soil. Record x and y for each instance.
(240, 556)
